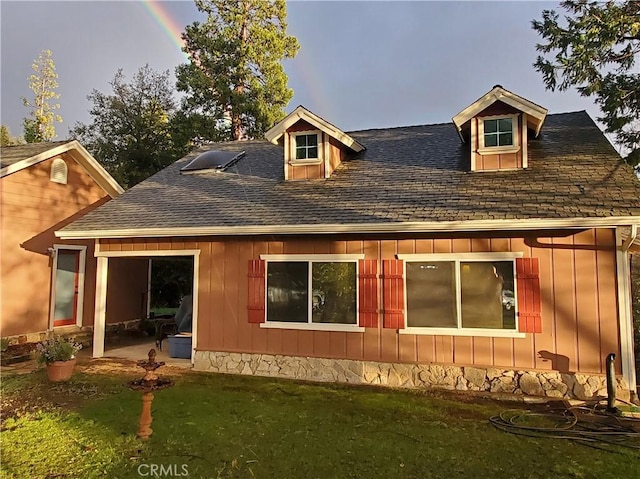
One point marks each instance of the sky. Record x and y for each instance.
(361, 65)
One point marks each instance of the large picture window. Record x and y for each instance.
(312, 291)
(461, 294)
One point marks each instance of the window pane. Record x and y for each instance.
(312, 140)
(334, 293)
(487, 295)
(301, 153)
(431, 297)
(312, 152)
(490, 126)
(301, 140)
(506, 139)
(490, 140)
(504, 125)
(287, 292)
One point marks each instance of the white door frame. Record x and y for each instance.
(101, 290)
(625, 315)
(81, 275)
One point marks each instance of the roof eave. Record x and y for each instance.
(323, 229)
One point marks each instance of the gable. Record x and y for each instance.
(19, 157)
(535, 114)
(302, 114)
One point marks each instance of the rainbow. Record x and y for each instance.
(162, 17)
(303, 64)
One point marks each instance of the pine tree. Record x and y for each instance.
(40, 126)
(235, 74)
(595, 49)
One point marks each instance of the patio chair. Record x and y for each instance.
(180, 323)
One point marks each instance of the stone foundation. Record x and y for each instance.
(548, 384)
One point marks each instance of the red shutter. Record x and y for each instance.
(368, 293)
(256, 303)
(393, 293)
(528, 281)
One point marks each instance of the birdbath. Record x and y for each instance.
(148, 384)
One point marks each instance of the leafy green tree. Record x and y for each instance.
(594, 48)
(6, 139)
(131, 131)
(235, 75)
(40, 126)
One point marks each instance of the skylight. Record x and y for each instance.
(213, 160)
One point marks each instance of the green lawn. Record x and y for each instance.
(210, 426)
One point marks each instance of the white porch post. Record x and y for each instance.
(624, 313)
(99, 317)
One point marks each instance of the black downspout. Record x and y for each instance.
(611, 383)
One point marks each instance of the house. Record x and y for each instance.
(487, 254)
(48, 283)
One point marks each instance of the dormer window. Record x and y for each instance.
(307, 146)
(496, 129)
(498, 134)
(313, 147)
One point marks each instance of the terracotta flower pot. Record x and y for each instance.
(60, 370)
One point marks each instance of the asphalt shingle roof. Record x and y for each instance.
(408, 174)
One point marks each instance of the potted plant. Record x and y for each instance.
(60, 357)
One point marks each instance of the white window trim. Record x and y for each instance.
(348, 328)
(456, 258)
(488, 333)
(293, 161)
(309, 325)
(495, 150)
(81, 277)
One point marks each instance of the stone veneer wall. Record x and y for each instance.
(549, 384)
(81, 334)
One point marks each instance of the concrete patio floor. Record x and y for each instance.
(139, 349)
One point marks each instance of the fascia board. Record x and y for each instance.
(96, 170)
(415, 227)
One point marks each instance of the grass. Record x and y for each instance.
(219, 426)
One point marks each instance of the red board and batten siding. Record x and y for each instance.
(570, 340)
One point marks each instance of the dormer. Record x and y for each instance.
(497, 127)
(313, 147)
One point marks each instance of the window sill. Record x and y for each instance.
(314, 161)
(348, 328)
(490, 333)
(498, 150)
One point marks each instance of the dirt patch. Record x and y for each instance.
(28, 390)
